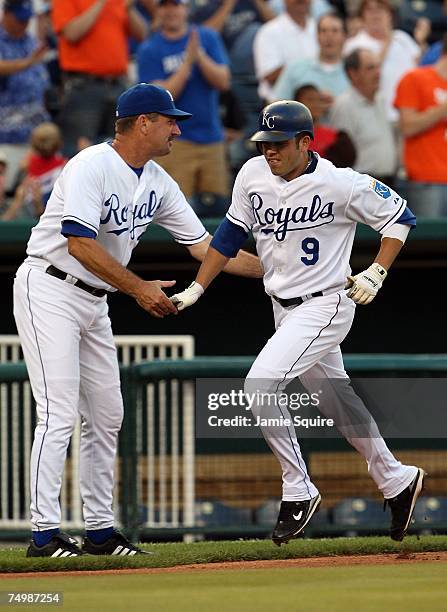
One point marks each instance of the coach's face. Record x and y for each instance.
(159, 135)
(287, 159)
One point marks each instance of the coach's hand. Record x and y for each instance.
(363, 287)
(151, 297)
(188, 297)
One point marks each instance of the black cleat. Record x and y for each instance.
(293, 517)
(402, 507)
(117, 544)
(60, 545)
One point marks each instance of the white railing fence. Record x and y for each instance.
(157, 462)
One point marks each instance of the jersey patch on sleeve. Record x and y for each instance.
(382, 190)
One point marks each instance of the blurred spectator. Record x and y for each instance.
(191, 63)
(360, 112)
(23, 81)
(3, 197)
(234, 121)
(147, 9)
(334, 145)
(290, 35)
(397, 51)
(27, 202)
(410, 13)
(232, 115)
(93, 54)
(432, 55)
(317, 7)
(422, 102)
(230, 17)
(46, 161)
(46, 34)
(353, 25)
(325, 72)
(421, 33)
(42, 167)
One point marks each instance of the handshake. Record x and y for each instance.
(188, 297)
(363, 288)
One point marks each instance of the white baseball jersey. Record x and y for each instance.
(66, 333)
(98, 190)
(304, 228)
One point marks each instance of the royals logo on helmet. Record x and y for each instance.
(268, 120)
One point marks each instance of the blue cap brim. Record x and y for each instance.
(272, 136)
(178, 114)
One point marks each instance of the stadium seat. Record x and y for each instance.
(359, 512)
(143, 515)
(207, 204)
(268, 512)
(210, 513)
(430, 510)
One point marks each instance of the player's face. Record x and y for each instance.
(287, 159)
(161, 135)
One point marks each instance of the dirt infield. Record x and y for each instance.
(334, 561)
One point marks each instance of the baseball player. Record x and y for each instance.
(303, 213)
(100, 206)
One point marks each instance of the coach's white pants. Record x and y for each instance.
(306, 345)
(68, 346)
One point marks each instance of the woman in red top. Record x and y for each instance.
(42, 167)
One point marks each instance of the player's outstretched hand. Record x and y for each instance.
(363, 287)
(154, 300)
(188, 297)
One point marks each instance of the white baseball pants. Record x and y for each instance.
(68, 346)
(306, 345)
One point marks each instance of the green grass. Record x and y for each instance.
(167, 555)
(412, 588)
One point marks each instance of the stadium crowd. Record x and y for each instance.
(372, 72)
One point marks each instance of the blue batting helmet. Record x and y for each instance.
(282, 121)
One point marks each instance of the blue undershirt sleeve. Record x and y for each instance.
(71, 228)
(407, 218)
(228, 238)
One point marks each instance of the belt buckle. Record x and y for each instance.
(71, 279)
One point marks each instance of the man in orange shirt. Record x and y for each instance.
(93, 54)
(422, 102)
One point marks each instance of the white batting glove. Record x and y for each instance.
(188, 297)
(363, 287)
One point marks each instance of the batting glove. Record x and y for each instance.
(363, 287)
(188, 297)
